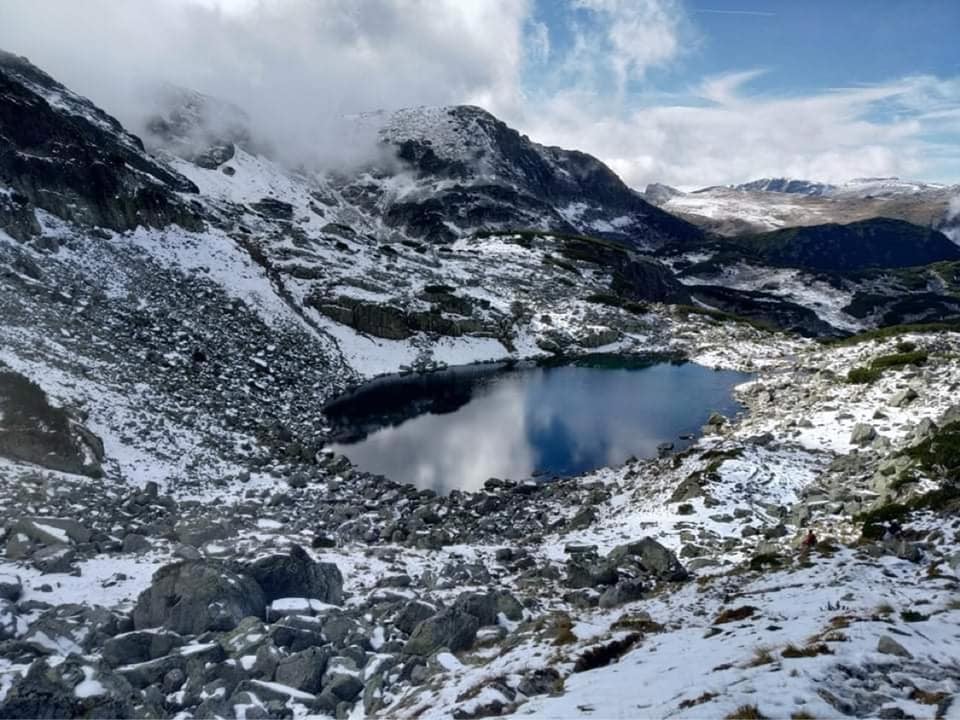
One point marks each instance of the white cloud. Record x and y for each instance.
(298, 66)
(731, 136)
(637, 35)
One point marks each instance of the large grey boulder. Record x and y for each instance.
(54, 559)
(194, 596)
(451, 628)
(653, 557)
(903, 397)
(342, 679)
(863, 434)
(304, 670)
(297, 575)
(624, 591)
(413, 612)
(139, 646)
(10, 587)
(52, 530)
(888, 646)
(483, 606)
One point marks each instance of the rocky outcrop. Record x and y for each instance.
(393, 323)
(62, 154)
(33, 431)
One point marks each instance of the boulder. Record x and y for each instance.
(52, 531)
(888, 646)
(135, 543)
(483, 606)
(10, 587)
(863, 434)
(652, 557)
(139, 646)
(297, 575)
(304, 670)
(903, 397)
(342, 679)
(54, 559)
(452, 628)
(194, 596)
(412, 613)
(624, 591)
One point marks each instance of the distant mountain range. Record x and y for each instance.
(769, 204)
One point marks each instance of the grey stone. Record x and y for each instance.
(623, 592)
(888, 646)
(903, 397)
(10, 587)
(304, 670)
(135, 543)
(863, 434)
(139, 646)
(451, 628)
(412, 613)
(483, 606)
(192, 597)
(652, 556)
(297, 575)
(54, 559)
(342, 679)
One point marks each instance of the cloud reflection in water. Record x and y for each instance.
(562, 420)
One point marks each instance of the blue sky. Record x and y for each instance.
(804, 45)
(686, 92)
(870, 86)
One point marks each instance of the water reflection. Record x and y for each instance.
(516, 424)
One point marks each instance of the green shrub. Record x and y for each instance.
(915, 357)
(893, 331)
(939, 453)
(863, 375)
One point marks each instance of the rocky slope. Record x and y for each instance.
(177, 541)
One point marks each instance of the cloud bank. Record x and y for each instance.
(295, 66)
(299, 66)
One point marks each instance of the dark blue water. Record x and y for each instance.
(458, 428)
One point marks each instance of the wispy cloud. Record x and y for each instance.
(832, 135)
(755, 13)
